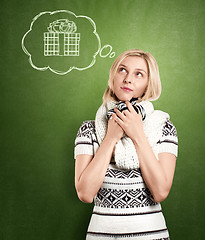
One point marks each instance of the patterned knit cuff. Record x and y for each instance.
(168, 147)
(83, 149)
(83, 145)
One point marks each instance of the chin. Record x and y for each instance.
(125, 98)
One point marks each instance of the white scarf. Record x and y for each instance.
(125, 154)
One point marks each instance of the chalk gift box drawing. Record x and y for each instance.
(61, 39)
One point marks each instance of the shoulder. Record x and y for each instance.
(86, 129)
(169, 129)
(168, 141)
(85, 139)
(162, 119)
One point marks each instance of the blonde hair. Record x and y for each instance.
(153, 89)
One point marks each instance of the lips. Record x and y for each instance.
(126, 89)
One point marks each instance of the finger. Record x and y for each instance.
(119, 114)
(118, 120)
(130, 107)
(136, 108)
(126, 112)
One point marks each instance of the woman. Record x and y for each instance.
(125, 159)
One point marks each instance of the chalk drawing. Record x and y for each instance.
(109, 52)
(65, 30)
(61, 41)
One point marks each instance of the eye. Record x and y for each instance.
(139, 74)
(121, 69)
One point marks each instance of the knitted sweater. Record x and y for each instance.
(124, 207)
(86, 139)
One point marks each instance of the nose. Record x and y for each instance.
(128, 79)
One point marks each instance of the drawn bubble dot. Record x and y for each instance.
(105, 51)
(112, 55)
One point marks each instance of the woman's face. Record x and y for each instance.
(131, 78)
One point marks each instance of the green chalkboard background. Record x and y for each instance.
(42, 111)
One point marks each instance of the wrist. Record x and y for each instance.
(139, 140)
(110, 140)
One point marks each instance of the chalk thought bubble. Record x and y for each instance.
(61, 41)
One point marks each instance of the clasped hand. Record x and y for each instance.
(130, 121)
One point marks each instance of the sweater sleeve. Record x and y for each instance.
(84, 139)
(168, 141)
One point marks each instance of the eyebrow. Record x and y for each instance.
(136, 68)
